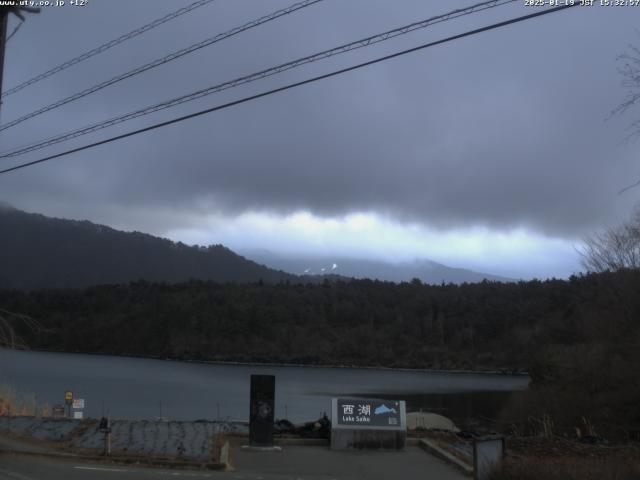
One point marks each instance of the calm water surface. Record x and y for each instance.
(144, 388)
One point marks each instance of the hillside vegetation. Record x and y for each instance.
(42, 252)
(579, 339)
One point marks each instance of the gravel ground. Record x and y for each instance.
(137, 437)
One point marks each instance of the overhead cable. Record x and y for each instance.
(291, 85)
(106, 46)
(365, 42)
(162, 61)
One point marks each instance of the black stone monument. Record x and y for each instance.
(262, 408)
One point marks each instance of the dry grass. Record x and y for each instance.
(14, 403)
(572, 468)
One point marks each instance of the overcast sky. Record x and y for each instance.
(492, 152)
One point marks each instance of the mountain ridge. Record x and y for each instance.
(427, 271)
(37, 251)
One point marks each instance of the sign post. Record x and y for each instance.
(105, 427)
(68, 401)
(262, 408)
(78, 406)
(364, 423)
(58, 411)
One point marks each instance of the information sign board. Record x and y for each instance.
(371, 413)
(487, 455)
(78, 403)
(368, 423)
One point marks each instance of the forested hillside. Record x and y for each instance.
(363, 322)
(42, 252)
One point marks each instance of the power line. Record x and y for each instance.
(293, 85)
(629, 187)
(106, 46)
(365, 42)
(163, 60)
(15, 30)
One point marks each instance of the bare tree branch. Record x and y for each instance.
(630, 72)
(8, 336)
(629, 187)
(616, 248)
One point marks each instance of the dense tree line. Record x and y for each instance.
(483, 325)
(578, 338)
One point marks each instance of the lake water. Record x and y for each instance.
(146, 388)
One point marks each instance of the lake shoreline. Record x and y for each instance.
(142, 387)
(297, 365)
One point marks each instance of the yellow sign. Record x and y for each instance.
(68, 396)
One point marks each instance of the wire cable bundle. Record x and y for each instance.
(272, 71)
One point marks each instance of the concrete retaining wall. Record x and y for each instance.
(134, 437)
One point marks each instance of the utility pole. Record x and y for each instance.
(4, 20)
(108, 452)
(105, 427)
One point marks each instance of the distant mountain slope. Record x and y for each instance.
(42, 252)
(426, 270)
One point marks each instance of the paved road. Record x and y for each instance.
(318, 462)
(293, 463)
(30, 468)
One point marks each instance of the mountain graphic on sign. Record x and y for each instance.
(382, 409)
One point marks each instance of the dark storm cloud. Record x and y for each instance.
(504, 129)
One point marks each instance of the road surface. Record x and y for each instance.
(293, 463)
